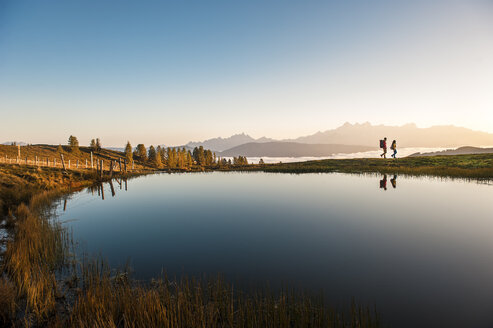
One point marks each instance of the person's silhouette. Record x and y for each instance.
(393, 181)
(384, 147)
(383, 182)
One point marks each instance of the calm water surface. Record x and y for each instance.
(422, 251)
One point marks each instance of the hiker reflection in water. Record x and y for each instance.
(383, 182)
(393, 181)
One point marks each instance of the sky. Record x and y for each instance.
(168, 72)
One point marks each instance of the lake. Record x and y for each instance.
(420, 249)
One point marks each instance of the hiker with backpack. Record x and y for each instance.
(383, 145)
(394, 148)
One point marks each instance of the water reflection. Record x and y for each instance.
(383, 182)
(425, 266)
(122, 182)
(393, 181)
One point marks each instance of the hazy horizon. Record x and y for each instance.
(403, 133)
(165, 72)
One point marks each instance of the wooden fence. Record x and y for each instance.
(119, 165)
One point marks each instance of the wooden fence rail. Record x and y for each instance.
(112, 165)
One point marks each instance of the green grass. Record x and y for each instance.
(459, 166)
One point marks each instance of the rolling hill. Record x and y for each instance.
(458, 151)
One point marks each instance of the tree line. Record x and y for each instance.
(171, 157)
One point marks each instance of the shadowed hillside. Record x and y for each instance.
(292, 149)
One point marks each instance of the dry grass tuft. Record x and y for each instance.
(38, 248)
(7, 302)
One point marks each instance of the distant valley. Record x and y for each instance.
(291, 149)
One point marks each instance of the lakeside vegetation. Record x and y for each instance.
(139, 159)
(478, 166)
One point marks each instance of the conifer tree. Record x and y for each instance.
(98, 145)
(141, 152)
(154, 159)
(208, 159)
(174, 157)
(74, 144)
(164, 160)
(189, 159)
(158, 161)
(93, 145)
(152, 154)
(128, 153)
(59, 149)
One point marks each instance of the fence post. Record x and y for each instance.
(63, 162)
(125, 164)
(112, 189)
(35, 160)
(91, 162)
(54, 162)
(101, 167)
(120, 161)
(86, 163)
(47, 161)
(26, 160)
(111, 169)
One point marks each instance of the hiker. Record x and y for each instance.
(393, 181)
(383, 182)
(383, 145)
(394, 148)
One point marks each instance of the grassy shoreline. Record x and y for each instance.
(457, 166)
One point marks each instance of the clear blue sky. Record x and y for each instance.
(174, 71)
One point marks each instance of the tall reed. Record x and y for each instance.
(38, 248)
(116, 301)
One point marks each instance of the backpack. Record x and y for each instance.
(382, 143)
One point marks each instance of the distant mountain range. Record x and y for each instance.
(360, 135)
(408, 135)
(221, 144)
(458, 151)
